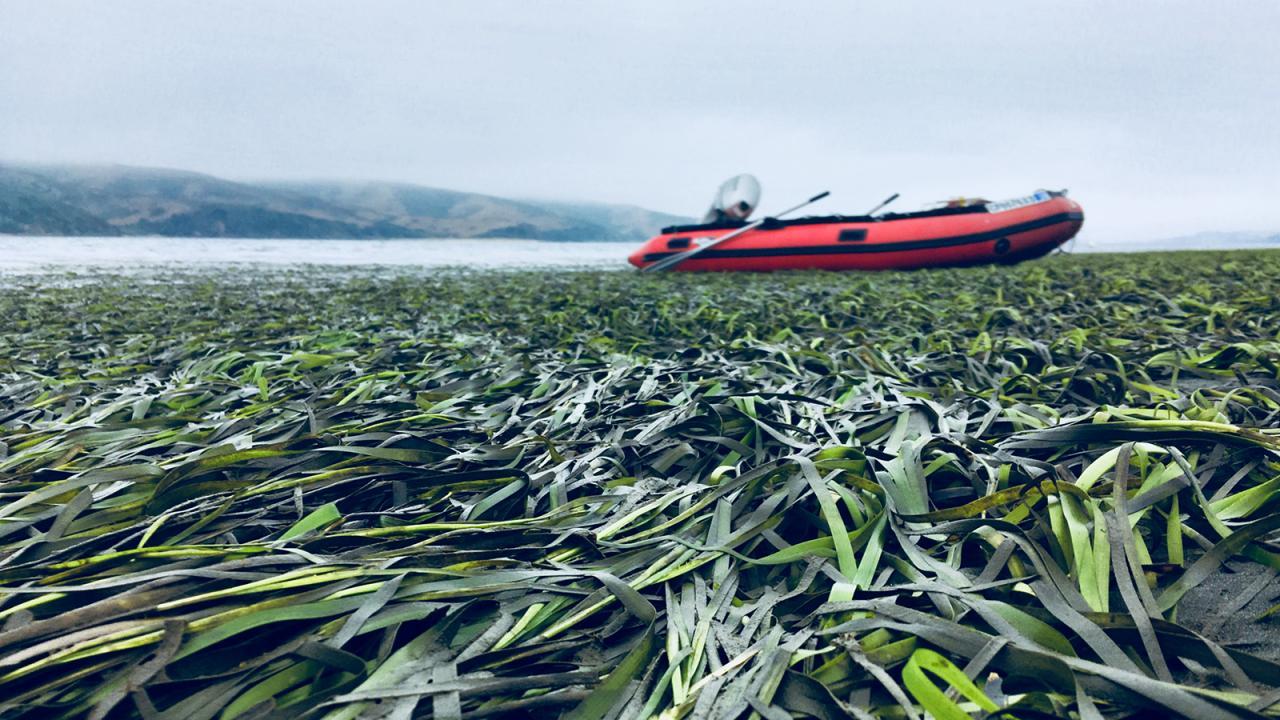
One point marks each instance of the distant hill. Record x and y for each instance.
(121, 200)
(1210, 240)
(1222, 240)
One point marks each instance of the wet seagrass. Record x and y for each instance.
(385, 493)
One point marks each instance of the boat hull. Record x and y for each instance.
(895, 242)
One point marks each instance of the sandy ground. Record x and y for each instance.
(1214, 608)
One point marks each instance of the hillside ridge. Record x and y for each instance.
(127, 200)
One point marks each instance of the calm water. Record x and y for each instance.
(34, 254)
(20, 255)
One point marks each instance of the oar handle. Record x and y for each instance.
(886, 201)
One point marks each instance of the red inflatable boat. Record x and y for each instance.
(1002, 232)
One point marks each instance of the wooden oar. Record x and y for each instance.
(887, 200)
(670, 262)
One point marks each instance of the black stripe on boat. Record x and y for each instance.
(873, 247)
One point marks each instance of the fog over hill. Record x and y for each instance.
(123, 200)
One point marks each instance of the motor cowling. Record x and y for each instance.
(736, 199)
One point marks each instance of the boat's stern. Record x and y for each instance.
(637, 258)
(659, 247)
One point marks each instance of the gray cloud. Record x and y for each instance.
(1160, 116)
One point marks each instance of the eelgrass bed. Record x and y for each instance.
(1040, 491)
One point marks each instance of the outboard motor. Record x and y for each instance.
(736, 199)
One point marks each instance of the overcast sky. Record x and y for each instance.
(1162, 118)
